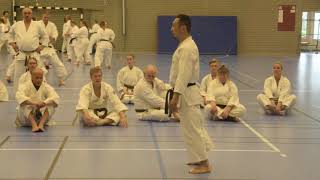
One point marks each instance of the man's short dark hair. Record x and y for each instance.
(4, 12)
(185, 20)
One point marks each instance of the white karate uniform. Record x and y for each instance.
(49, 53)
(205, 83)
(4, 41)
(81, 45)
(93, 37)
(27, 42)
(108, 99)
(128, 77)
(184, 70)
(3, 92)
(226, 95)
(27, 91)
(71, 45)
(148, 98)
(65, 39)
(104, 46)
(280, 92)
(68, 30)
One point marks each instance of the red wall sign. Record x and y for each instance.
(286, 17)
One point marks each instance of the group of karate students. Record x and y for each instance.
(99, 104)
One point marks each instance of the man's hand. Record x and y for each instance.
(226, 112)
(39, 49)
(213, 107)
(174, 103)
(40, 105)
(15, 47)
(89, 121)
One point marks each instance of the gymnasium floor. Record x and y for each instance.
(258, 148)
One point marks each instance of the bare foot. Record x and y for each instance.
(200, 169)
(35, 129)
(41, 128)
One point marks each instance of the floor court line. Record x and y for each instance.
(56, 158)
(133, 149)
(264, 139)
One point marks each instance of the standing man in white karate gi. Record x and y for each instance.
(28, 39)
(105, 45)
(184, 75)
(49, 53)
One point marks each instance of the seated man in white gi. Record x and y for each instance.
(127, 78)
(99, 105)
(214, 65)
(277, 98)
(223, 99)
(37, 102)
(3, 92)
(149, 102)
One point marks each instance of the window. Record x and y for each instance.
(304, 24)
(316, 27)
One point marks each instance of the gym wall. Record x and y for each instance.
(257, 20)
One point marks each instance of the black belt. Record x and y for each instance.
(191, 84)
(169, 96)
(108, 41)
(128, 86)
(105, 40)
(221, 106)
(72, 39)
(141, 110)
(101, 110)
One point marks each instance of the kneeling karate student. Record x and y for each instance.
(37, 102)
(148, 100)
(127, 78)
(223, 99)
(277, 98)
(99, 105)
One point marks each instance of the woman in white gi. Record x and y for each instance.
(127, 78)
(99, 105)
(223, 99)
(104, 45)
(277, 98)
(82, 43)
(37, 102)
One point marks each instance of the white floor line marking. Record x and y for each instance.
(265, 140)
(135, 149)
